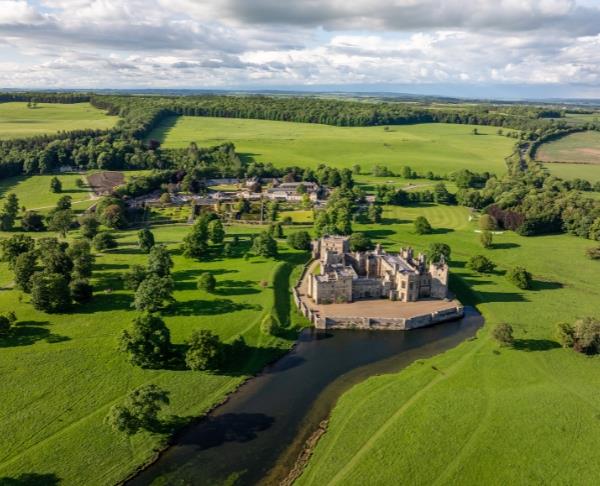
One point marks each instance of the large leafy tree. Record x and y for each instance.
(216, 232)
(83, 260)
(438, 252)
(11, 248)
(195, 244)
(204, 350)
(60, 221)
(148, 342)
(145, 240)
(159, 261)
(139, 411)
(264, 245)
(24, 269)
(152, 293)
(50, 292)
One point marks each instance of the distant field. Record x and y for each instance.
(18, 121)
(578, 155)
(441, 148)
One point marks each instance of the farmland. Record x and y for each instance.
(479, 413)
(19, 121)
(576, 155)
(441, 148)
(62, 372)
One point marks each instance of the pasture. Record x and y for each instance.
(441, 148)
(61, 373)
(479, 413)
(576, 155)
(18, 121)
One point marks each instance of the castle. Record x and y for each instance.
(346, 276)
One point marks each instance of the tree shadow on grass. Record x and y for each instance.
(545, 285)
(505, 246)
(207, 307)
(386, 221)
(441, 231)
(378, 234)
(26, 333)
(102, 267)
(535, 344)
(236, 287)
(105, 302)
(31, 479)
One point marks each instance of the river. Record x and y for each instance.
(257, 435)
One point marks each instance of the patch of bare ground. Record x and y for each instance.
(104, 183)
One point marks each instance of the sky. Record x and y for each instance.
(476, 48)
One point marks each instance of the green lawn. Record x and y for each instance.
(480, 414)
(441, 148)
(34, 192)
(61, 373)
(18, 121)
(577, 154)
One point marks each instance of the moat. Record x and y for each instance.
(257, 435)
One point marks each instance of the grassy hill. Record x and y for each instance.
(575, 156)
(480, 414)
(62, 372)
(441, 148)
(18, 121)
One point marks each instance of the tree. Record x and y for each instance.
(89, 226)
(486, 239)
(136, 275)
(565, 333)
(195, 244)
(64, 202)
(228, 250)
(104, 241)
(356, 169)
(139, 411)
(9, 212)
(276, 230)
(360, 242)
(56, 260)
(159, 261)
(587, 335)
(50, 292)
(207, 282)
(407, 172)
(264, 245)
(481, 264)
(204, 351)
(24, 269)
(55, 185)
(300, 240)
(79, 183)
(153, 292)
(374, 213)
(113, 216)
(7, 321)
(441, 194)
(272, 210)
(81, 290)
(148, 342)
(216, 232)
(32, 221)
(438, 252)
(145, 240)
(422, 226)
(11, 248)
(520, 277)
(488, 223)
(503, 333)
(83, 260)
(60, 221)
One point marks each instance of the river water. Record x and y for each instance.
(257, 435)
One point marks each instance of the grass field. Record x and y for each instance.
(441, 148)
(480, 414)
(34, 192)
(576, 155)
(18, 121)
(61, 373)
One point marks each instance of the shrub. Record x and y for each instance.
(32, 221)
(300, 240)
(207, 282)
(422, 226)
(165, 198)
(81, 290)
(204, 351)
(482, 264)
(565, 334)
(487, 222)
(104, 241)
(145, 240)
(519, 277)
(148, 342)
(486, 239)
(503, 333)
(7, 321)
(593, 253)
(587, 335)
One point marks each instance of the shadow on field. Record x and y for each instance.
(26, 333)
(236, 287)
(378, 234)
(386, 221)
(505, 246)
(535, 344)
(441, 231)
(207, 307)
(104, 302)
(102, 267)
(545, 285)
(31, 479)
(247, 157)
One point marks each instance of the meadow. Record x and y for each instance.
(479, 413)
(61, 373)
(441, 148)
(18, 121)
(575, 156)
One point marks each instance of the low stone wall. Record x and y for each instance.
(306, 311)
(392, 324)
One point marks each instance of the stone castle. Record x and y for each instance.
(346, 276)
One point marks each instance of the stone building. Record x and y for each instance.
(345, 276)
